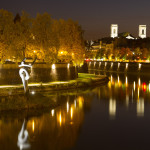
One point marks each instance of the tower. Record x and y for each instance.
(114, 30)
(142, 31)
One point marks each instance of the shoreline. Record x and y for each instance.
(83, 80)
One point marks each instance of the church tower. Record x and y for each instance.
(114, 31)
(142, 31)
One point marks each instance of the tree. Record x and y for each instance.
(43, 35)
(6, 23)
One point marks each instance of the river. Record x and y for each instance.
(113, 116)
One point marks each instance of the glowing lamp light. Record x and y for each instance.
(144, 86)
(32, 92)
(52, 112)
(53, 66)
(61, 52)
(140, 66)
(68, 65)
(118, 65)
(126, 65)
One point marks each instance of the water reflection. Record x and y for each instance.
(23, 138)
(140, 108)
(112, 108)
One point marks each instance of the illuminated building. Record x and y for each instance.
(114, 30)
(142, 31)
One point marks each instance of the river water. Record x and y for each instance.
(114, 116)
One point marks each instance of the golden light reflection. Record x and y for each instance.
(80, 101)
(105, 64)
(139, 81)
(140, 108)
(111, 64)
(126, 81)
(134, 85)
(67, 107)
(149, 87)
(68, 65)
(33, 125)
(60, 119)
(138, 93)
(112, 107)
(71, 112)
(94, 64)
(75, 103)
(111, 78)
(109, 84)
(118, 65)
(118, 80)
(127, 100)
(52, 112)
(99, 64)
(126, 65)
(140, 66)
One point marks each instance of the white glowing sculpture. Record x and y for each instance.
(142, 31)
(24, 74)
(114, 30)
(23, 138)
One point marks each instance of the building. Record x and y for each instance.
(114, 30)
(142, 31)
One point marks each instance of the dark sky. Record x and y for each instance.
(95, 16)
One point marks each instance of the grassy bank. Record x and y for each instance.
(83, 80)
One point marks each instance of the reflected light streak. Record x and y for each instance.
(149, 87)
(99, 64)
(140, 66)
(94, 64)
(138, 93)
(126, 81)
(75, 103)
(118, 80)
(60, 119)
(112, 107)
(134, 85)
(33, 126)
(126, 65)
(127, 100)
(118, 65)
(71, 113)
(139, 82)
(52, 112)
(67, 107)
(111, 64)
(111, 78)
(140, 108)
(105, 64)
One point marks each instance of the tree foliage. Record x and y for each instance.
(48, 39)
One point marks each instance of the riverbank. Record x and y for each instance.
(42, 95)
(83, 80)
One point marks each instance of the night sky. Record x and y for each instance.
(95, 16)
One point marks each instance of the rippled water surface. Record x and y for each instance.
(114, 116)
